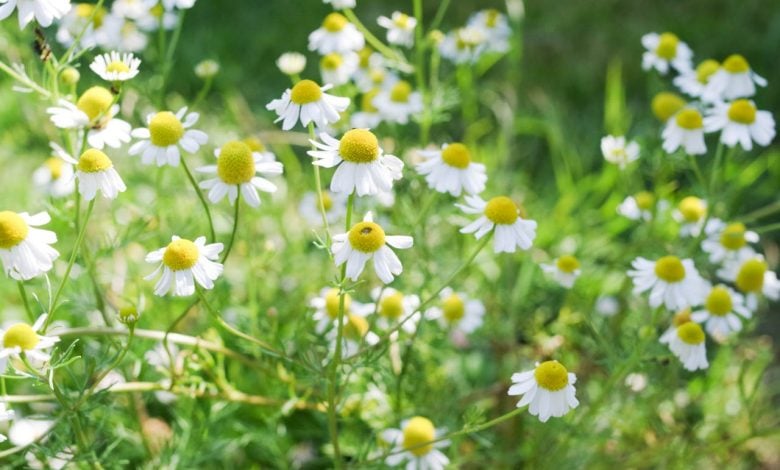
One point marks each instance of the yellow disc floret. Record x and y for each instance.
(567, 264)
(356, 327)
(327, 201)
(750, 277)
(305, 91)
(667, 46)
(417, 432)
(54, 165)
(335, 22)
(491, 18)
(666, 105)
(367, 101)
(367, 237)
(93, 161)
(692, 209)
(86, 10)
(332, 303)
(13, 229)
(551, 375)
(331, 61)
(742, 111)
(255, 144)
(736, 63)
(117, 66)
(95, 102)
(180, 254)
(718, 301)
(705, 70)
(402, 20)
(392, 305)
(456, 155)
(670, 269)
(235, 164)
(683, 316)
(689, 119)
(400, 92)
(644, 200)
(359, 146)
(733, 236)
(364, 56)
(690, 333)
(453, 308)
(501, 210)
(165, 129)
(20, 336)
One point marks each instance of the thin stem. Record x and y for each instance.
(715, 168)
(66, 57)
(697, 171)
(25, 301)
(202, 198)
(419, 49)
(113, 365)
(386, 51)
(232, 233)
(443, 5)
(168, 59)
(318, 183)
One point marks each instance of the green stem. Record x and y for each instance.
(419, 49)
(698, 173)
(202, 198)
(318, 183)
(443, 5)
(108, 369)
(25, 301)
(376, 43)
(168, 58)
(232, 233)
(715, 167)
(66, 57)
(26, 81)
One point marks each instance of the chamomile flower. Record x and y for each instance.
(393, 306)
(96, 25)
(688, 344)
(183, 263)
(495, 27)
(95, 172)
(722, 310)
(400, 28)
(336, 34)
(548, 390)
(694, 82)
(24, 249)
(502, 216)
(44, 12)
(752, 277)
(564, 270)
(464, 45)
(399, 103)
(734, 79)
(637, 207)
(451, 170)
(326, 308)
(166, 136)
(691, 213)
(236, 170)
(665, 105)
(665, 50)
(337, 68)
(115, 67)
(368, 117)
(413, 444)
(5, 415)
(618, 151)
(341, 4)
(728, 241)
(367, 240)
(355, 333)
(23, 338)
(362, 167)
(671, 281)
(686, 130)
(740, 122)
(680, 317)
(372, 71)
(55, 177)
(457, 311)
(94, 111)
(335, 205)
(308, 102)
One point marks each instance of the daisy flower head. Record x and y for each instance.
(463, 45)
(728, 241)
(502, 216)
(44, 12)
(548, 390)
(618, 151)
(680, 317)
(94, 110)
(721, 311)
(291, 63)
(308, 102)
(691, 213)
(451, 170)
(666, 104)
(355, 333)
(638, 207)
(165, 136)
(688, 344)
(372, 71)
(367, 240)
(336, 34)
(671, 281)
(341, 4)
(55, 177)
(413, 444)
(399, 102)
(337, 69)
(393, 306)
(734, 79)
(115, 67)
(361, 165)
(457, 311)
(22, 338)
(24, 249)
(96, 25)
(752, 277)
(665, 50)
(335, 205)
(368, 117)
(564, 270)
(400, 28)
(326, 308)
(495, 27)
(236, 170)
(740, 122)
(685, 129)
(184, 262)
(95, 172)
(694, 82)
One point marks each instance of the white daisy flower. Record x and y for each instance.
(512, 229)
(734, 79)
(400, 28)
(619, 152)
(166, 135)
(337, 69)
(132, 9)
(694, 82)
(116, 67)
(155, 16)
(235, 170)
(671, 281)
(206, 69)
(722, 310)
(55, 177)
(307, 102)
(341, 4)
(337, 34)
(741, 123)
(94, 171)
(564, 270)
(23, 338)
(372, 72)
(94, 110)
(639, 206)
(451, 170)
(665, 105)
(24, 249)
(335, 205)
(682, 316)
(398, 103)
(291, 63)
(368, 117)
(366, 240)
(495, 26)
(5, 415)
(752, 277)
(688, 344)
(663, 50)
(413, 444)
(691, 213)
(393, 306)
(99, 27)
(44, 12)
(464, 45)
(326, 308)
(548, 390)
(457, 311)
(128, 36)
(362, 166)
(355, 333)
(685, 129)
(183, 263)
(726, 242)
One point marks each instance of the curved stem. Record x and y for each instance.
(202, 198)
(232, 233)
(386, 51)
(23, 294)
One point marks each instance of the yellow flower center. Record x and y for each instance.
(683, 316)
(644, 200)
(21, 336)
(334, 22)
(54, 165)
(180, 254)
(692, 209)
(736, 63)
(392, 306)
(751, 275)
(417, 432)
(367, 101)
(690, 333)
(366, 237)
(705, 70)
(117, 66)
(567, 264)
(491, 18)
(666, 105)
(551, 375)
(359, 146)
(402, 20)
(453, 308)
(365, 57)
(356, 327)
(400, 92)
(331, 61)
(670, 269)
(165, 129)
(719, 301)
(93, 161)
(305, 91)
(327, 201)
(733, 236)
(84, 10)
(95, 102)
(667, 46)
(235, 164)
(742, 111)
(689, 119)
(332, 303)
(501, 210)
(456, 155)
(377, 76)
(13, 229)
(254, 144)
(158, 10)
